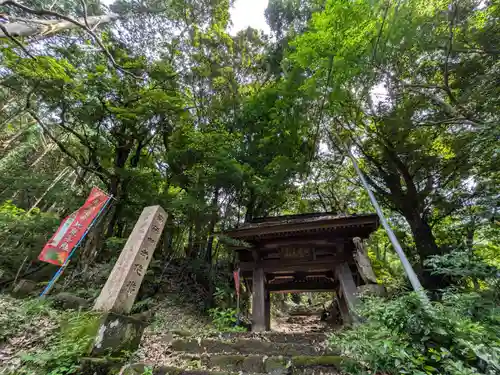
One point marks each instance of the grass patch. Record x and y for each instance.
(44, 340)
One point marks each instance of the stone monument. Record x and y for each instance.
(116, 332)
(122, 286)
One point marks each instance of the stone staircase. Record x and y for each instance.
(245, 353)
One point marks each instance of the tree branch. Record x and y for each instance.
(386, 11)
(16, 42)
(446, 74)
(63, 148)
(45, 12)
(84, 6)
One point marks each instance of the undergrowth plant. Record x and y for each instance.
(73, 341)
(225, 320)
(404, 336)
(16, 316)
(49, 341)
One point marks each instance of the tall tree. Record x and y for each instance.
(402, 84)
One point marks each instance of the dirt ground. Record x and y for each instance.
(300, 323)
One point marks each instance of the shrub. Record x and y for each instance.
(225, 320)
(403, 335)
(72, 343)
(47, 341)
(23, 235)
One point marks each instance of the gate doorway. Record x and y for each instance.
(319, 252)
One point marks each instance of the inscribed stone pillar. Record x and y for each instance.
(122, 286)
(363, 262)
(258, 301)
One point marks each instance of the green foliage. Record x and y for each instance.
(114, 245)
(224, 295)
(396, 80)
(69, 346)
(225, 320)
(23, 235)
(403, 335)
(219, 129)
(16, 317)
(56, 340)
(462, 265)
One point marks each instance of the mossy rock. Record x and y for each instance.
(226, 361)
(276, 365)
(320, 360)
(164, 370)
(100, 366)
(181, 333)
(235, 362)
(190, 346)
(69, 301)
(117, 334)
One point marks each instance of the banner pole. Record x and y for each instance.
(236, 276)
(63, 266)
(238, 310)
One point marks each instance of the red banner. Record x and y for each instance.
(72, 229)
(236, 275)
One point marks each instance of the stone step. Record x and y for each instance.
(140, 369)
(249, 346)
(275, 364)
(278, 337)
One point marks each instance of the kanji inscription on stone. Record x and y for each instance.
(122, 286)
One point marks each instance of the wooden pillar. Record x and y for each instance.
(347, 288)
(268, 310)
(258, 300)
(343, 309)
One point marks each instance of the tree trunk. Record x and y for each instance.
(422, 234)
(426, 246)
(199, 239)
(411, 204)
(470, 231)
(190, 249)
(114, 191)
(213, 221)
(250, 208)
(117, 187)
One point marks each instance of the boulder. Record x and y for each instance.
(69, 301)
(24, 288)
(117, 333)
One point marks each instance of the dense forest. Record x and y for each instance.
(156, 102)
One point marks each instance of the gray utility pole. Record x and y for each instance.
(399, 250)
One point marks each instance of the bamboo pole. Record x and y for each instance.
(56, 180)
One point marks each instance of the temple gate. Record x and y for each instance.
(304, 253)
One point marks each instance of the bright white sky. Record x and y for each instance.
(243, 14)
(249, 13)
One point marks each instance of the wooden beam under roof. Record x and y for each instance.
(308, 286)
(326, 263)
(302, 242)
(362, 224)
